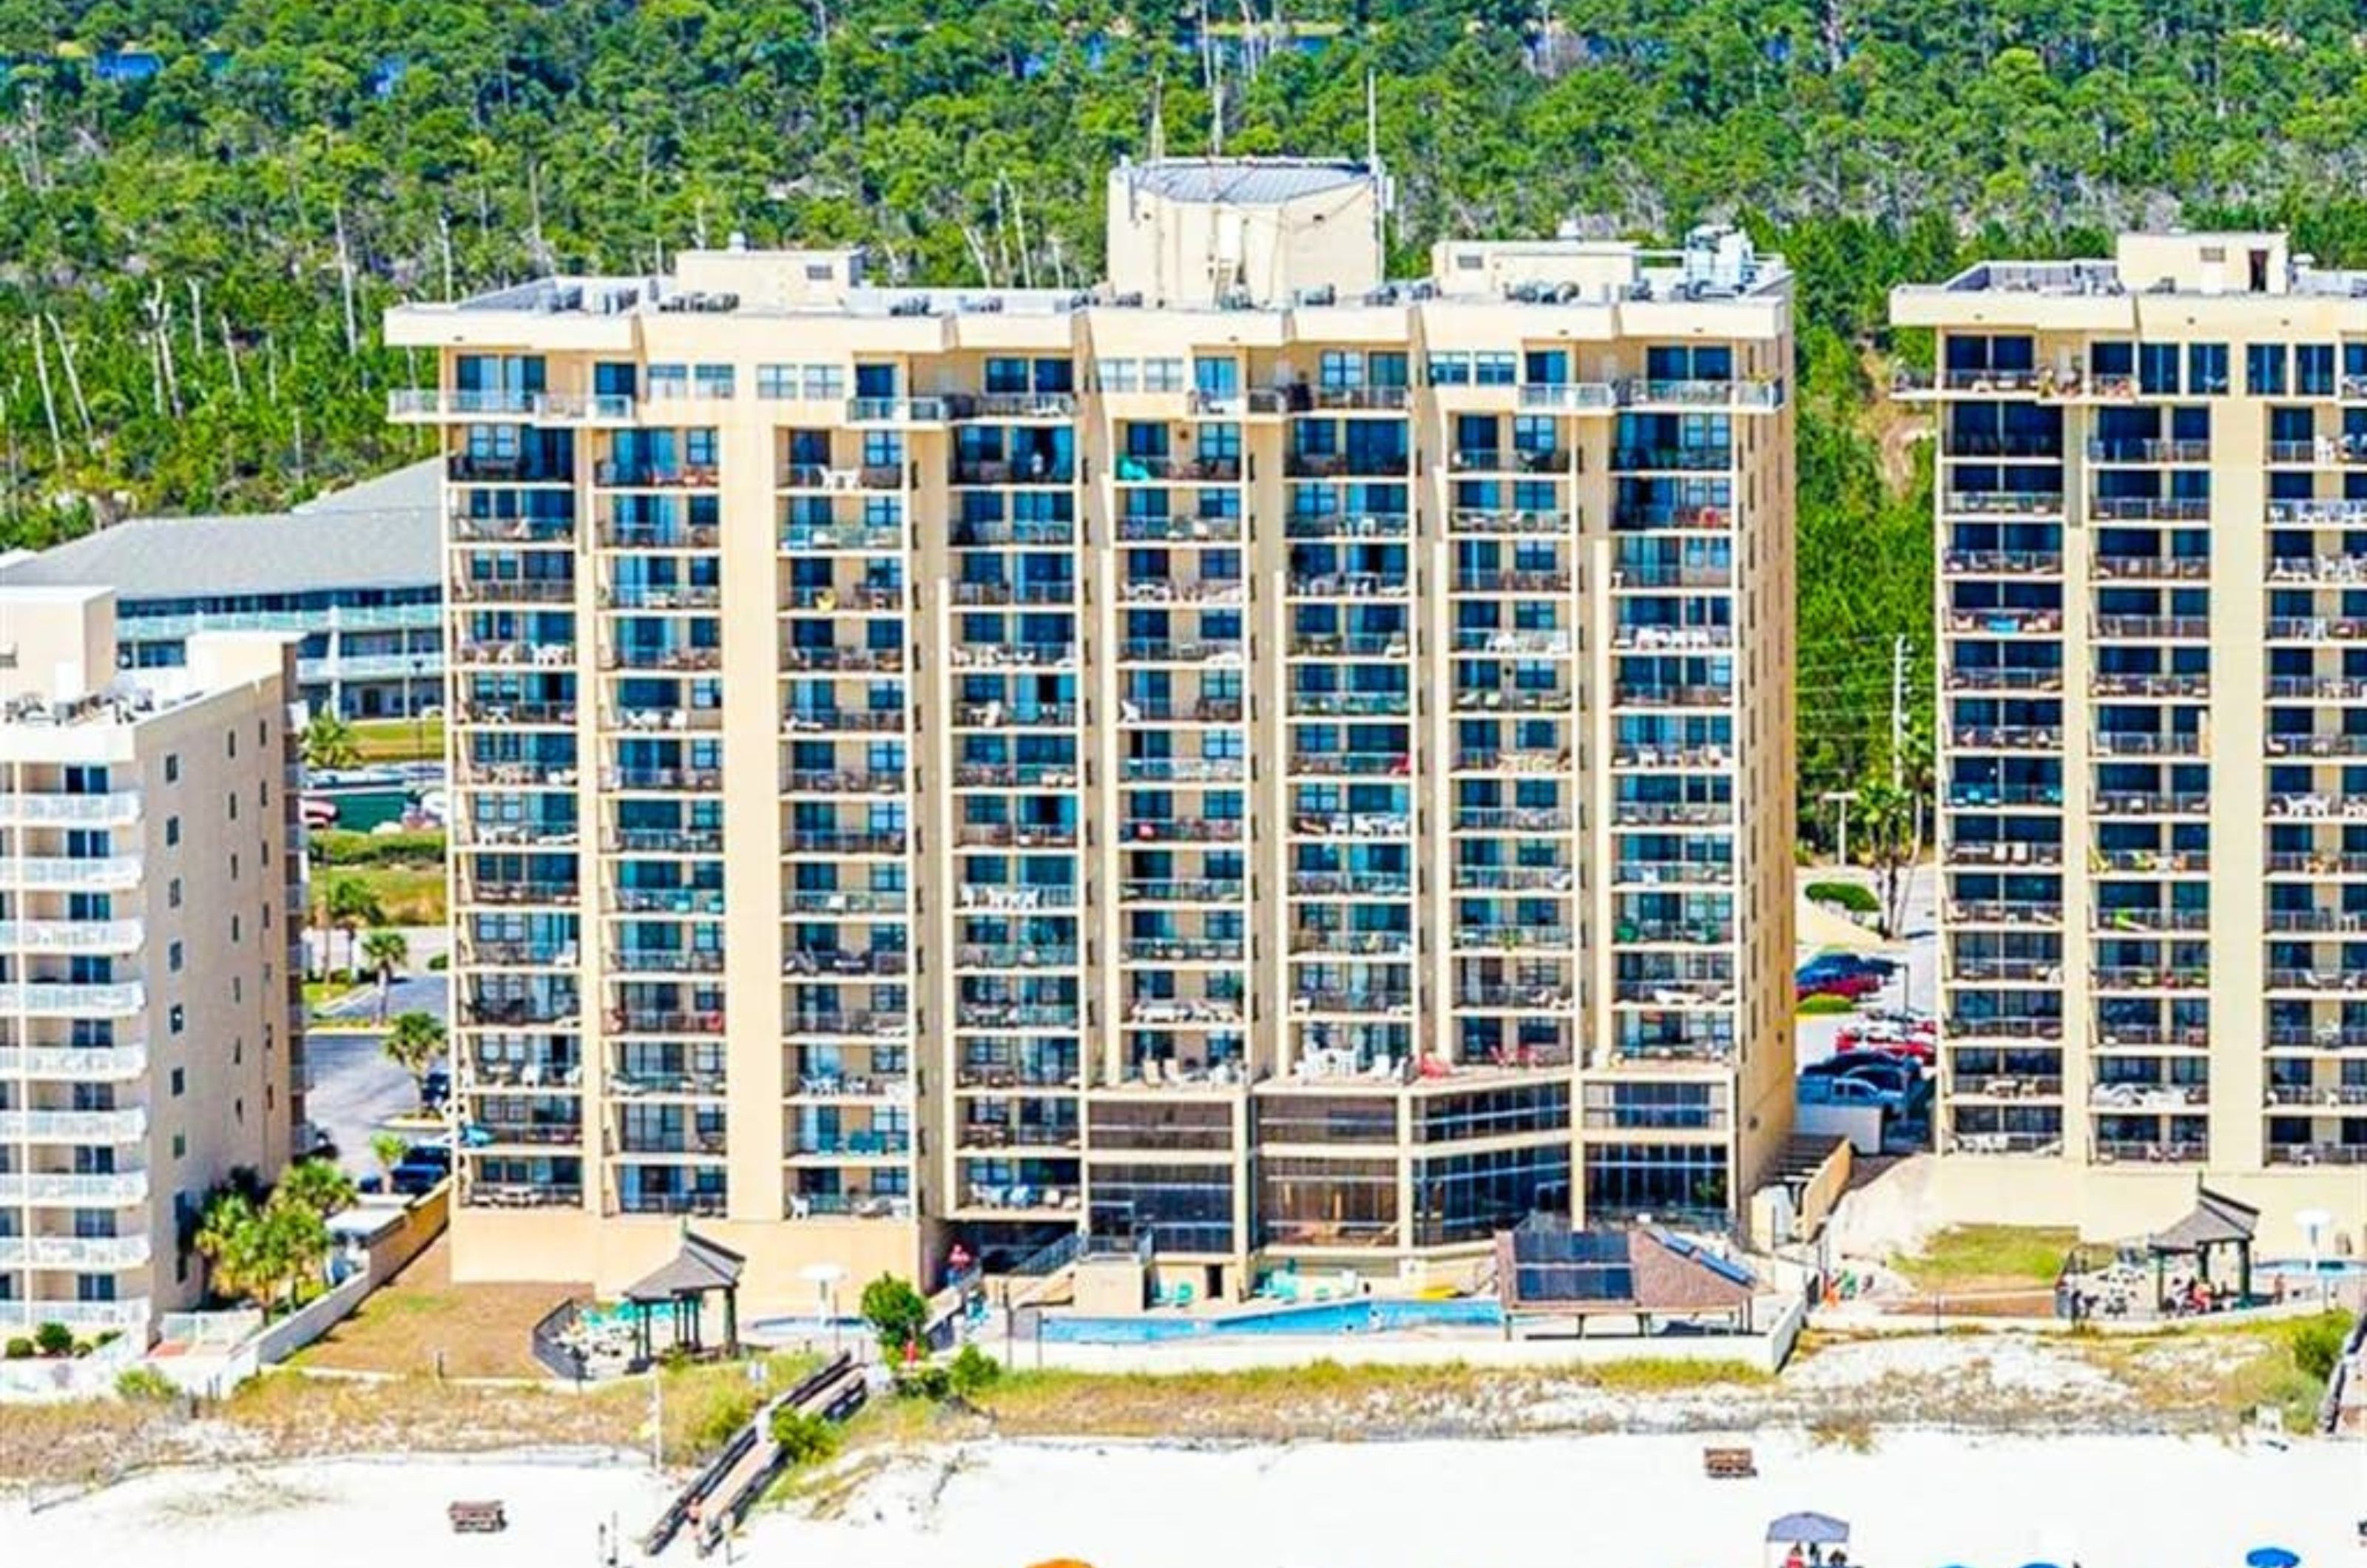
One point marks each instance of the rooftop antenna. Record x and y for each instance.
(1373, 167)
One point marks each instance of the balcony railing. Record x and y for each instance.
(53, 999)
(97, 874)
(74, 1063)
(35, 810)
(74, 1126)
(111, 1190)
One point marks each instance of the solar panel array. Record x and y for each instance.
(1558, 1264)
(1733, 1273)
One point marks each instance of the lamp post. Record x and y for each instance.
(1840, 799)
(418, 719)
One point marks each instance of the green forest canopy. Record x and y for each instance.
(205, 205)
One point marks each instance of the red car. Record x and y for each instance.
(1853, 986)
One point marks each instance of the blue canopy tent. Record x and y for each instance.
(1809, 1529)
(2272, 1557)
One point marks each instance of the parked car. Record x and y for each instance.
(437, 1154)
(411, 1179)
(1848, 963)
(1852, 986)
(1835, 1089)
(434, 1089)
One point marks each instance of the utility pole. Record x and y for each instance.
(1898, 712)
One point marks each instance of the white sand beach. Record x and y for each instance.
(1920, 1499)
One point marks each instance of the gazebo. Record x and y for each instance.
(2216, 1225)
(701, 1269)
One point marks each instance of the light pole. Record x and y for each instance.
(418, 718)
(1840, 799)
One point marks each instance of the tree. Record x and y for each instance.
(228, 1238)
(264, 1254)
(350, 905)
(1888, 821)
(385, 950)
(897, 1315)
(387, 1150)
(317, 1185)
(414, 1043)
(328, 743)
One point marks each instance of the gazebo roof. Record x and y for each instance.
(2216, 1220)
(701, 1266)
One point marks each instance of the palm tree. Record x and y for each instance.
(413, 1044)
(350, 905)
(329, 742)
(227, 1239)
(385, 952)
(318, 1186)
(387, 1150)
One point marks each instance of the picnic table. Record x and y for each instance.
(481, 1518)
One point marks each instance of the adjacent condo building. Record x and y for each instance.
(150, 899)
(1252, 760)
(2152, 497)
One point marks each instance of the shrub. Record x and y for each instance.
(804, 1440)
(2316, 1346)
(53, 1339)
(1856, 897)
(1824, 1003)
(973, 1372)
(20, 1348)
(924, 1380)
(145, 1385)
(440, 962)
(333, 847)
(895, 1312)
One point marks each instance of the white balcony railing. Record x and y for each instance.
(70, 936)
(114, 1190)
(74, 1126)
(25, 807)
(84, 1318)
(80, 1253)
(100, 874)
(45, 999)
(75, 1063)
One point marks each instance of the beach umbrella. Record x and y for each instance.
(2272, 1557)
(1809, 1529)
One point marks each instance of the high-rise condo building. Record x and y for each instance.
(150, 928)
(2152, 495)
(1251, 755)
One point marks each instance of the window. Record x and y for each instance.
(1450, 370)
(233, 808)
(173, 958)
(1162, 376)
(2206, 369)
(2157, 369)
(180, 1081)
(713, 381)
(2264, 369)
(172, 767)
(1495, 369)
(230, 742)
(173, 894)
(180, 1146)
(826, 383)
(1120, 374)
(778, 381)
(669, 381)
(172, 832)
(178, 1019)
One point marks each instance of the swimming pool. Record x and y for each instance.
(2302, 1268)
(1370, 1316)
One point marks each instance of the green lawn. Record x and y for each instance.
(399, 739)
(1989, 1258)
(410, 895)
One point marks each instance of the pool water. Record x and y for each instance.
(1374, 1316)
(2300, 1268)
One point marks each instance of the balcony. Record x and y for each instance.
(72, 936)
(1184, 890)
(2002, 563)
(2002, 503)
(75, 1063)
(696, 780)
(2152, 628)
(126, 1316)
(96, 874)
(47, 1000)
(1160, 468)
(2152, 569)
(74, 1126)
(654, 475)
(2148, 509)
(1991, 678)
(117, 1189)
(2318, 1154)
(1001, 473)
(897, 411)
(2120, 804)
(96, 1255)
(27, 809)
(2005, 738)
